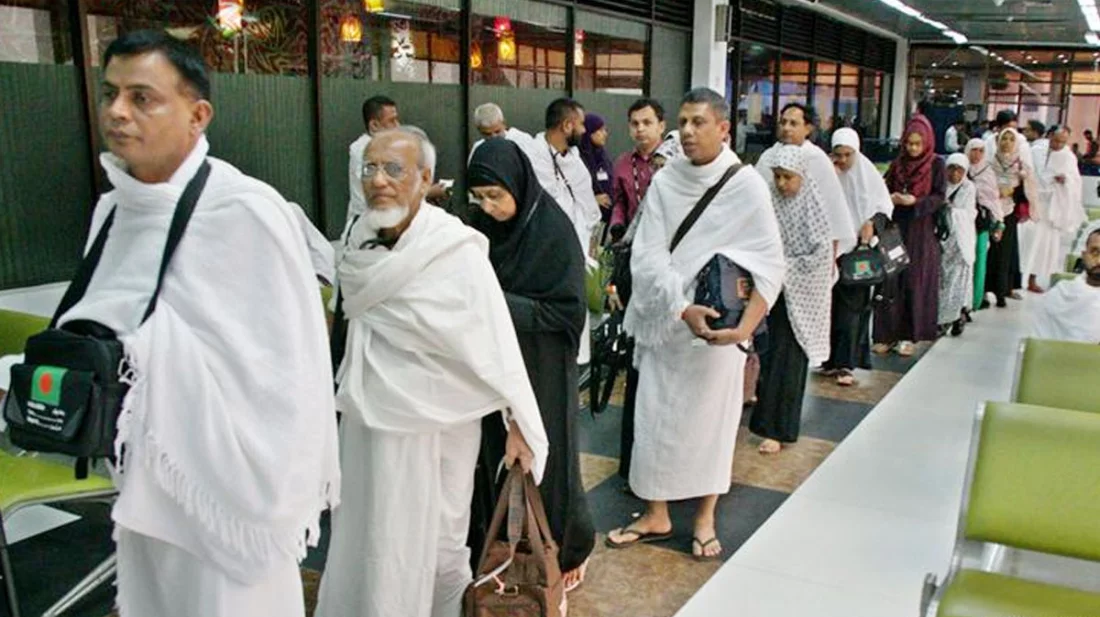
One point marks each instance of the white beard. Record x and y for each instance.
(385, 218)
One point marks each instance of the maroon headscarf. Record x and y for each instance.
(915, 174)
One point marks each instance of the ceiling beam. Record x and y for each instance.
(846, 18)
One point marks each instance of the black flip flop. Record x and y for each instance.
(703, 547)
(643, 538)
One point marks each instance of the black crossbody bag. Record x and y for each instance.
(66, 396)
(721, 284)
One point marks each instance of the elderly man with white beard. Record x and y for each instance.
(430, 352)
(796, 123)
(1058, 215)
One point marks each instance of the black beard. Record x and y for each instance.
(573, 140)
(1094, 276)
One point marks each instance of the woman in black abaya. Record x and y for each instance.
(540, 266)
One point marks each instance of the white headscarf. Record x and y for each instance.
(807, 246)
(863, 184)
(1014, 169)
(964, 209)
(984, 178)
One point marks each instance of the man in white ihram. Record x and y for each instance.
(1059, 214)
(489, 121)
(1070, 311)
(229, 428)
(430, 351)
(690, 376)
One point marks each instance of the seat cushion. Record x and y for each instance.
(982, 594)
(25, 479)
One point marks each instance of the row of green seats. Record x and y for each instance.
(1030, 489)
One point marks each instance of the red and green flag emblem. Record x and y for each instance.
(46, 385)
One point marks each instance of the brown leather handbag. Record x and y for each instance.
(517, 577)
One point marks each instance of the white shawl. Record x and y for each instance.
(321, 253)
(230, 412)
(1069, 311)
(1014, 169)
(740, 224)
(568, 181)
(808, 248)
(1062, 203)
(963, 201)
(863, 185)
(820, 167)
(430, 340)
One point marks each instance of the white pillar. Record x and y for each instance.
(899, 107)
(708, 59)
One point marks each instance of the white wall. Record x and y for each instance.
(708, 59)
(899, 108)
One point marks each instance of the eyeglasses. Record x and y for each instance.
(394, 171)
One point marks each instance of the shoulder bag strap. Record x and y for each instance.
(704, 201)
(84, 271)
(184, 209)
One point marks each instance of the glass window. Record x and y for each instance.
(848, 107)
(870, 98)
(755, 95)
(609, 54)
(521, 44)
(794, 82)
(34, 32)
(1083, 113)
(416, 41)
(825, 94)
(258, 36)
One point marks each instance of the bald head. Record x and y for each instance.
(1058, 139)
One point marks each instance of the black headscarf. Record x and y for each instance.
(536, 253)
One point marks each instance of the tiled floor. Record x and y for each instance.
(874, 500)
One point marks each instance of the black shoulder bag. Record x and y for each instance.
(943, 218)
(66, 396)
(721, 284)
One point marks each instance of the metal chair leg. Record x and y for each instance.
(6, 574)
(102, 573)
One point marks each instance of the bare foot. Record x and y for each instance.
(769, 446)
(573, 578)
(705, 545)
(881, 348)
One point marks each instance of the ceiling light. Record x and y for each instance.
(958, 37)
(1092, 39)
(955, 63)
(934, 65)
(1035, 62)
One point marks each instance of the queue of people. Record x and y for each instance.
(459, 342)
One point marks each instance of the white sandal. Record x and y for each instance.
(906, 349)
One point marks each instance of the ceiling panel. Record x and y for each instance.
(1015, 21)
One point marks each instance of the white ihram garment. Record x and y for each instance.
(1061, 214)
(1070, 311)
(690, 394)
(229, 427)
(430, 351)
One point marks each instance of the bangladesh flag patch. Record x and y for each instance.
(46, 385)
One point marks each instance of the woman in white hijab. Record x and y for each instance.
(798, 324)
(1013, 171)
(990, 224)
(960, 248)
(867, 197)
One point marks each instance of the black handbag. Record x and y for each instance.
(66, 396)
(721, 284)
(943, 218)
(861, 267)
(890, 245)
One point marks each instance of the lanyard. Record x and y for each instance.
(559, 174)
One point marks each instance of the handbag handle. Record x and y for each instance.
(701, 206)
(182, 215)
(522, 503)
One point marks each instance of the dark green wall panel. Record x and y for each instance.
(613, 108)
(262, 127)
(671, 69)
(435, 108)
(45, 176)
(524, 108)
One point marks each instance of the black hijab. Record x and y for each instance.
(536, 253)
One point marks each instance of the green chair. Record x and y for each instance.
(1058, 374)
(1094, 214)
(1071, 261)
(1025, 491)
(28, 481)
(1058, 277)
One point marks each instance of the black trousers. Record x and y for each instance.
(1004, 261)
(850, 335)
(626, 437)
(783, 368)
